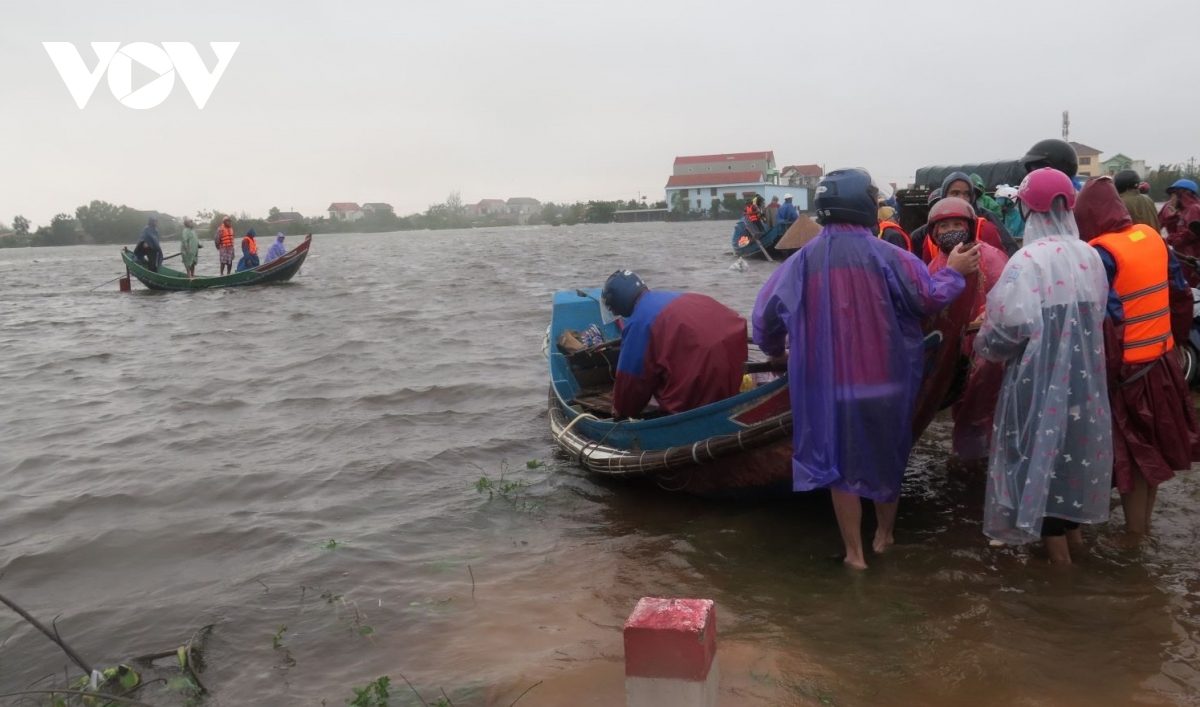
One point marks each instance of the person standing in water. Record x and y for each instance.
(850, 305)
(1051, 459)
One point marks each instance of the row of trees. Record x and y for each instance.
(102, 223)
(1167, 174)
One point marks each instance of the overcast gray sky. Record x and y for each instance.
(560, 100)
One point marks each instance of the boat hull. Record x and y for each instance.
(745, 247)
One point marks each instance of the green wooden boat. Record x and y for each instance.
(281, 269)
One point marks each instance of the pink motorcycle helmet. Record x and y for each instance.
(1042, 186)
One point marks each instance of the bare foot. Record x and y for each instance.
(882, 543)
(1127, 540)
(859, 565)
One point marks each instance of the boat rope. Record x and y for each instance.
(581, 416)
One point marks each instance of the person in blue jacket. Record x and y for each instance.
(787, 212)
(148, 250)
(683, 349)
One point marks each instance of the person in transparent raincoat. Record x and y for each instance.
(1050, 466)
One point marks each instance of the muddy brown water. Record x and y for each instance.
(170, 461)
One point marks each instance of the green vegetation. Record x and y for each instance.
(375, 694)
(507, 488)
(277, 639)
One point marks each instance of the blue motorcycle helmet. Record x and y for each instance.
(621, 292)
(847, 196)
(1184, 184)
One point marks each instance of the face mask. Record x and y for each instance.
(949, 239)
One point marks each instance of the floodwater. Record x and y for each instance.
(307, 455)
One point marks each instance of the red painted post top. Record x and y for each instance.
(671, 638)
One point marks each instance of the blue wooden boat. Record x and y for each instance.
(746, 246)
(740, 446)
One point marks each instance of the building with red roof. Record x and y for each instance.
(344, 211)
(700, 182)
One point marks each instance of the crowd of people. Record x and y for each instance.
(760, 217)
(148, 251)
(1064, 304)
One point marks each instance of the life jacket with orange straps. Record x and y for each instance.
(892, 224)
(1141, 284)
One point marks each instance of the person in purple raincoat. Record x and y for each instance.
(852, 305)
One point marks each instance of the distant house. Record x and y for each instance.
(523, 206)
(1089, 160)
(374, 207)
(286, 217)
(344, 211)
(488, 207)
(802, 175)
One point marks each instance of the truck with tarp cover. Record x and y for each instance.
(912, 204)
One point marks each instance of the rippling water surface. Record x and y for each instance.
(174, 460)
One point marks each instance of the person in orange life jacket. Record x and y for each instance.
(754, 216)
(223, 239)
(953, 222)
(991, 229)
(684, 349)
(249, 252)
(1155, 430)
(891, 231)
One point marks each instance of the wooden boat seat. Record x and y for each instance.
(599, 403)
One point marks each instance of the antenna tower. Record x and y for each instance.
(1066, 125)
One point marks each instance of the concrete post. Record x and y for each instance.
(671, 654)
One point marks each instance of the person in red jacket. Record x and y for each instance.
(1181, 217)
(683, 349)
(952, 221)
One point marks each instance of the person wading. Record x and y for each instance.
(850, 304)
(1155, 432)
(1050, 464)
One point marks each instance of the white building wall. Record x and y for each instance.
(799, 194)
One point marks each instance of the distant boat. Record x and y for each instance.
(281, 269)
